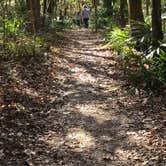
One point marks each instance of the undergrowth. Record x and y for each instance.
(144, 66)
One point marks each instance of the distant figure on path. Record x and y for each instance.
(85, 16)
(78, 19)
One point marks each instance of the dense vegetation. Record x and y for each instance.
(141, 45)
(134, 29)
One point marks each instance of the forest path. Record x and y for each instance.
(101, 125)
(95, 127)
(72, 110)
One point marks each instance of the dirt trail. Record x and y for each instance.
(90, 119)
(100, 127)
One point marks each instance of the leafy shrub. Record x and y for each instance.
(158, 56)
(12, 27)
(141, 36)
(53, 25)
(159, 66)
(117, 38)
(148, 20)
(25, 46)
(139, 70)
(147, 71)
(144, 65)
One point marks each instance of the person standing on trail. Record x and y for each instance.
(78, 19)
(85, 16)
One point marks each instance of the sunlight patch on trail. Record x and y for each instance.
(82, 76)
(126, 155)
(93, 110)
(52, 139)
(87, 42)
(80, 140)
(28, 91)
(144, 139)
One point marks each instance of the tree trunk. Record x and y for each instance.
(33, 15)
(37, 14)
(51, 7)
(135, 10)
(96, 17)
(135, 16)
(147, 7)
(95, 4)
(156, 21)
(44, 11)
(123, 6)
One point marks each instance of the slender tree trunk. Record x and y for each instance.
(65, 9)
(50, 10)
(51, 7)
(4, 6)
(123, 6)
(96, 17)
(33, 15)
(157, 33)
(147, 7)
(95, 4)
(44, 11)
(37, 14)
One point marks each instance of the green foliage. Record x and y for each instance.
(20, 8)
(158, 57)
(159, 66)
(13, 27)
(139, 70)
(141, 36)
(25, 46)
(146, 70)
(148, 20)
(117, 37)
(54, 25)
(104, 20)
(144, 65)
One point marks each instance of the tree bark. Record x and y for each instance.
(33, 15)
(95, 4)
(51, 7)
(44, 11)
(135, 10)
(157, 33)
(135, 16)
(123, 6)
